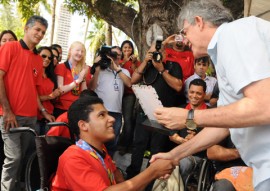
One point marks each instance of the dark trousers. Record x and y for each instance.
(141, 139)
(223, 185)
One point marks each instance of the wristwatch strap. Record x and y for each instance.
(190, 114)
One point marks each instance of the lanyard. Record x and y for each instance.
(85, 146)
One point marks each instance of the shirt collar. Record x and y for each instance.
(24, 46)
(212, 47)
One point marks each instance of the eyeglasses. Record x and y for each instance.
(45, 56)
(55, 57)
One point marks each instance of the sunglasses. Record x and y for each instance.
(55, 56)
(45, 56)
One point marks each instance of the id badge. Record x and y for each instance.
(116, 86)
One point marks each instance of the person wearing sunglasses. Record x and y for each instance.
(47, 90)
(55, 56)
(240, 51)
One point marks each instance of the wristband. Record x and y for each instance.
(43, 110)
(119, 71)
(161, 72)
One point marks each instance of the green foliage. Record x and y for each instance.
(10, 19)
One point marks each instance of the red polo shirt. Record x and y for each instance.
(23, 72)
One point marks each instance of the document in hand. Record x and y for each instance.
(149, 101)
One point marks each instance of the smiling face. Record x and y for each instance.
(77, 52)
(46, 57)
(100, 125)
(6, 38)
(197, 36)
(33, 35)
(127, 50)
(196, 95)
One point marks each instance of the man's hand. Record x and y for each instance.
(172, 118)
(162, 168)
(49, 117)
(177, 139)
(9, 120)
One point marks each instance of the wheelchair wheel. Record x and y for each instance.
(206, 176)
(32, 175)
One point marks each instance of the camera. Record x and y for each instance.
(105, 62)
(157, 56)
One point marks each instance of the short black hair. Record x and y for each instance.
(79, 110)
(198, 82)
(204, 59)
(56, 46)
(35, 18)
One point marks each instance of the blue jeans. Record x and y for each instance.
(112, 145)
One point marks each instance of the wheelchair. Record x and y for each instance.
(202, 178)
(42, 163)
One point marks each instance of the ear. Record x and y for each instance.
(82, 125)
(199, 22)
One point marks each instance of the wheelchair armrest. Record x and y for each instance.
(22, 130)
(51, 124)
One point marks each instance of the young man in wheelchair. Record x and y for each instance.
(196, 94)
(87, 165)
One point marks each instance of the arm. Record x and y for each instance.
(220, 153)
(245, 112)
(204, 139)
(9, 117)
(139, 182)
(46, 115)
(51, 96)
(72, 85)
(93, 82)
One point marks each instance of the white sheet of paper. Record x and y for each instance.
(148, 99)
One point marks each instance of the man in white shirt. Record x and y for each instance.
(240, 51)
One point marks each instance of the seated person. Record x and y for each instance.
(63, 131)
(87, 165)
(196, 94)
(229, 167)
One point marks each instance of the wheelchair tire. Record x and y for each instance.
(32, 174)
(206, 176)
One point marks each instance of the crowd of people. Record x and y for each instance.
(100, 106)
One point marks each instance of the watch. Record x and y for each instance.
(190, 123)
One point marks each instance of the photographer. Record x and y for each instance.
(108, 83)
(166, 78)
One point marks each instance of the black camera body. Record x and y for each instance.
(105, 62)
(157, 56)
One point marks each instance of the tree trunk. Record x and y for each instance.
(108, 35)
(53, 20)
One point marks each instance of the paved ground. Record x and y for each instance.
(124, 161)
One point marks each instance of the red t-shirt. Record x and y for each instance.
(45, 88)
(185, 59)
(68, 98)
(23, 72)
(79, 171)
(128, 66)
(61, 131)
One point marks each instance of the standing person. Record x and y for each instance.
(71, 77)
(108, 83)
(243, 105)
(20, 73)
(59, 48)
(7, 36)
(47, 90)
(55, 56)
(129, 62)
(166, 79)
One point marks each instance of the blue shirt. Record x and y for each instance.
(240, 51)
